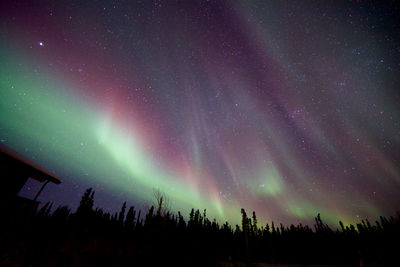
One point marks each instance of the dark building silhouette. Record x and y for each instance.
(15, 171)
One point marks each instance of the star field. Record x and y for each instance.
(289, 109)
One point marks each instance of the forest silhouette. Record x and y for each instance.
(91, 237)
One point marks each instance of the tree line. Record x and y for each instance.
(91, 237)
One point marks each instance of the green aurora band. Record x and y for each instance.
(40, 117)
(41, 112)
(247, 107)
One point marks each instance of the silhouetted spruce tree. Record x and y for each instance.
(342, 226)
(130, 218)
(249, 227)
(237, 233)
(181, 221)
(282, 228)
(197, 219)
(273, 228)
(121, 215)
(149, 216)
(86, 203)
(245, 233)
(267, 228)
(191, 219)
(45, 210)
(138, 224)
(226, 227)
(255, 228)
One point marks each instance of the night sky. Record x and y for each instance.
(287, 108)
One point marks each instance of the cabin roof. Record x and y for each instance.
(14, 160)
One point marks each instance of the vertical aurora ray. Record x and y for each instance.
(285, 109)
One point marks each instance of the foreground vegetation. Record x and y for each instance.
(91, 237)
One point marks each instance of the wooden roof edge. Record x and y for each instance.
(40, 174)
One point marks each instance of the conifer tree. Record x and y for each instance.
(138, 219)
(121, 215)
(245, 233)
(130, 218)
(45, 210)
(86, 203)
(255, 228)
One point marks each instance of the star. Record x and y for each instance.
(288, 117)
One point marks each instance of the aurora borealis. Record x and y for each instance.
(286, 108)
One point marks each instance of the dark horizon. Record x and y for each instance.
(91, 237)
